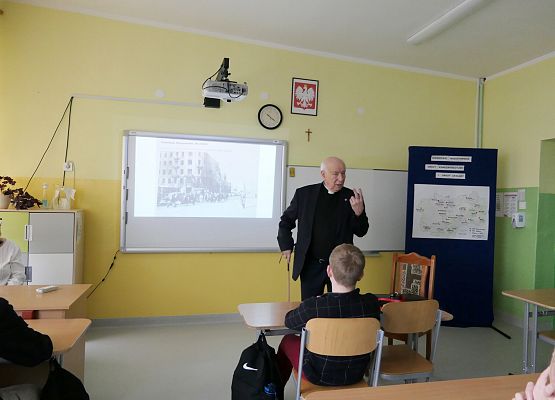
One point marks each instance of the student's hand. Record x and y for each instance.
(542, 390)
(357, 202)
(287, 255)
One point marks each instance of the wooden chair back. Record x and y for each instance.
(414, 274)
(342, 336)
(409, 316)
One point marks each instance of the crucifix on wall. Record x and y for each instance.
(308, 132)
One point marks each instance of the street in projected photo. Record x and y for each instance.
(205, 179)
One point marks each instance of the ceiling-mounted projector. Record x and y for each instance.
(222, 88)
(225, 90)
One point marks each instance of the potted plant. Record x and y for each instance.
(21, 199)
(6, 191)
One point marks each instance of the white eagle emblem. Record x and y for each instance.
(304, 96)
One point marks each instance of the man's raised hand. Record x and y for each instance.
(357, 202)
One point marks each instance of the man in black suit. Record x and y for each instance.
(328, 215)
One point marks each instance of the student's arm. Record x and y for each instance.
(19, 343)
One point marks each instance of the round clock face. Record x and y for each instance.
(270, 116)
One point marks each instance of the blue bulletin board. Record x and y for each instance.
(451, 214)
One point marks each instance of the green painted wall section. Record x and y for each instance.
(515, 254)
(545, 249)
(545, 252)
(525, 257)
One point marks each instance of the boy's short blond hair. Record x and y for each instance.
(347, 264)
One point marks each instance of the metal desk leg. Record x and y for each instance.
(525, 338)
(534, 338)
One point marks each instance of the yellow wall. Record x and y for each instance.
(49, 55)
(518, 115)
(547, 164)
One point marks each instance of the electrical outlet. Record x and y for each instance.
(68, 166)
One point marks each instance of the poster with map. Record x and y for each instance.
(451, 212)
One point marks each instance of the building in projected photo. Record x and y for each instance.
(190, 177)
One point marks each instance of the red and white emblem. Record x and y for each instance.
(304, 99)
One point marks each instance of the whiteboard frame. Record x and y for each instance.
(398, 214)
(125, 191)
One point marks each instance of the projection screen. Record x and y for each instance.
(192, 193)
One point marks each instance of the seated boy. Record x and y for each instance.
(345, 270)
(21, 345)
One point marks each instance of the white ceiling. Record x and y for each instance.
(500, 35)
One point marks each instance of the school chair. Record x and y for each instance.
(413, 274)
(403, 361)
(340, 337)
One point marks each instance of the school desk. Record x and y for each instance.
(491, 388)
(267, 317)
(64, 333)
(270, 317)
(543, 298)
(69, 301)
(66, 336)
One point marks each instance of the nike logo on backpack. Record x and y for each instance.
(245, 366)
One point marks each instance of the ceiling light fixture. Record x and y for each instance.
(447, 20)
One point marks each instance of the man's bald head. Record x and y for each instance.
(333, 170)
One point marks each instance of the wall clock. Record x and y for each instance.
(270, 116)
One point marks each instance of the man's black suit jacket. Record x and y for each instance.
(302, 208)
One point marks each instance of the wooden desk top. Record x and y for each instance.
(445, 316)
(541, 297)
(266, 315)
(25, 297)
(491, 388)
(64, 333)
(272, 315)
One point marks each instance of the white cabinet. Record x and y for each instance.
(52, 242)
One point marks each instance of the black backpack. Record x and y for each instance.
(257, 375)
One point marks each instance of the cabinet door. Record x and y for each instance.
(13, 227)
(51, 269)
(52, 233)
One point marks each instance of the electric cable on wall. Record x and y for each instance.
(105, 276)
(68, 107)
(67, 139)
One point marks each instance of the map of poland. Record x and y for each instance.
(451, 212)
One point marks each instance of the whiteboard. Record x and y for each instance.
(385, 199)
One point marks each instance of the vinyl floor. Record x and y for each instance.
(196, 360)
